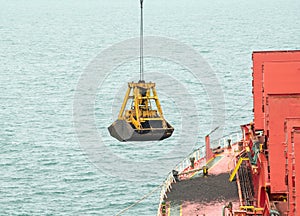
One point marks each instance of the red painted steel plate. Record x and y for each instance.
(289, 124)
(297, 168)
(258, 59)
(279, 107)
(280, 77)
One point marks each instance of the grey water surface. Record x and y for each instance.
(45, 46)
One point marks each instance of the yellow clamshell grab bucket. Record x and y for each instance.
(144, 120)
(141, 122)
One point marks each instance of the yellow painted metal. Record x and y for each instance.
(247, 207)
(141, 94)
(141, 84)
(251, 208)
(180, 211)
(134, 122)
(236, 168)
(147, 119)
(136, 107)
(157, 102)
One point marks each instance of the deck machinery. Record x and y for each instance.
(266, 161)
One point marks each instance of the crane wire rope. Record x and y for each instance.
(141, 45)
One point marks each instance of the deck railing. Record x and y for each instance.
(197, 154)
(223, 142)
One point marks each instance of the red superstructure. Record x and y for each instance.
(272, 137)
(276, 96)
(260, 59)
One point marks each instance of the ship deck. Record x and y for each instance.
(201, 195)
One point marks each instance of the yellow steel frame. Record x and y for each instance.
(236, 168)
(251, 208)
(141, 111)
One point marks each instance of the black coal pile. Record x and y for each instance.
(204, 189)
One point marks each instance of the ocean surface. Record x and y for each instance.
(46, 47)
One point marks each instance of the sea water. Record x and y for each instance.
(46, 46)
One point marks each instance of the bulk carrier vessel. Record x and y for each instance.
(256, 172)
